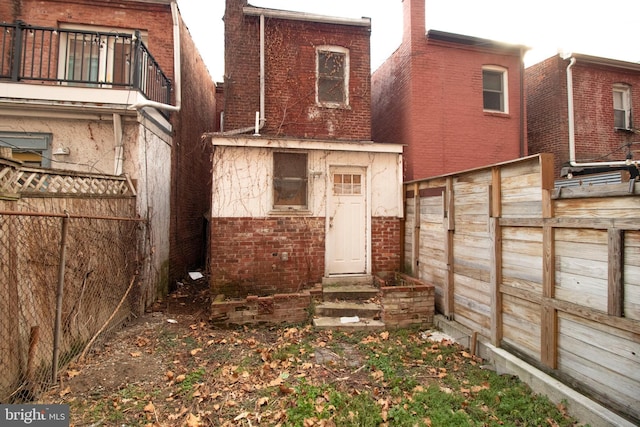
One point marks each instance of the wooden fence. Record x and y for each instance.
(552, 275)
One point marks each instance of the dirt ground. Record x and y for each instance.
(172, 367)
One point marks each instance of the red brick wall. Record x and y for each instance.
(153, 18)
(595, 136)
(191, 163)
(247, 255)
(547, 121)
(428, 95)
(385, 244)
(290, 56)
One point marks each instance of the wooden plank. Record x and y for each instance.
(547, 171)
(495, 194)
(449, 206)
(595, 191)
(415, 249)
(620, 323)
(448, 293)
(549, 337)
(615, 297)
(495, 280)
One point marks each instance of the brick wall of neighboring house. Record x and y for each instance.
(191, 171)
(385, 244)
(429, 96)
(547, 121)
(248, 255)
(290, 63)
(595, 136)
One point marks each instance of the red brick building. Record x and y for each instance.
(82, 75)
(293, 44)
(603, 94)
(300, 192)
(455, 101)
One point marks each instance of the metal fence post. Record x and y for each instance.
(60, 293)
(16, 59)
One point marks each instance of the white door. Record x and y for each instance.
(346, 216)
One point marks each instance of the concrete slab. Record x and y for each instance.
(334, 323)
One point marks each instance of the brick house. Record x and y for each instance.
(456, 102)
(96, 87)
(598, 134)
(300, 192)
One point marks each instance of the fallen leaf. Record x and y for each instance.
(384, 335)
(193, 420)
(72, 373)
(169, 375)
(195, 351)
(241, 416)
(285, 390)
(262, 401)
(65, 391)
(149, 407)
(180, 378)
(136, 354)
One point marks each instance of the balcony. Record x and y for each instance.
(80, 58)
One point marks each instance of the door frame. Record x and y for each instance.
(367, 223)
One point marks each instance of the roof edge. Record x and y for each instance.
(303, 16)
(473, 41)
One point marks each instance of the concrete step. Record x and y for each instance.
(335, 323)
(347, 309)
(349, 292)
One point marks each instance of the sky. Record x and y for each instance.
(609, 29)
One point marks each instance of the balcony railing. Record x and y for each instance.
(80, 58)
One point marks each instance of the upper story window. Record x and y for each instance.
(494, 89)
(332, 76)
(32, 149)
(96, 55)
(289, 180)
(621, 106)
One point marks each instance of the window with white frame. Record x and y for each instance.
(96, 55)
(289, 180)
(332, 76)
(621, 106)
(494, 89)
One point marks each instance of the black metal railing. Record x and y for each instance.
(81, 58)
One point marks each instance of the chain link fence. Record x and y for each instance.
(64, 282)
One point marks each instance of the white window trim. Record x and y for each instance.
(345, 52)
(106, 55)
(505, 88)
(625, 90)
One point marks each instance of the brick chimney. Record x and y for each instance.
(414, 20)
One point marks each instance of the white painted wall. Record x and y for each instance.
(242, 174)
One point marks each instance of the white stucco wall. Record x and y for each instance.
(90, 141)
(242, 174)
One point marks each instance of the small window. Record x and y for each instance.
(347, 184)
(621, 107)
(32, 149)
(494, 89)
(332, 88)
(289, 180)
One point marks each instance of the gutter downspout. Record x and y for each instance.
(572, 132)
(260, 119)
(176, 69)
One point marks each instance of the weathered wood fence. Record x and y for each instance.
(552, 275)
